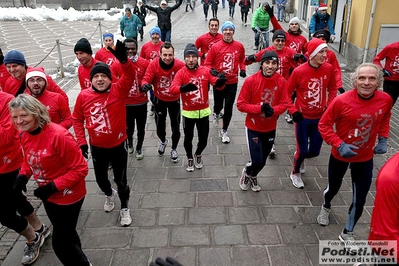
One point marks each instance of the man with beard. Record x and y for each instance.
(56, 105)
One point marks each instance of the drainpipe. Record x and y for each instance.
(366, 48)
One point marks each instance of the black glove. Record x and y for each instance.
(188, 87)
(270, 10)
(119, 52)
(298, 57)
(145, 87)
(169, 262)
(267, 109)
(297, 117)
(243, 74)
(44, 192)
(214, 72)
(341, 90)
(220, 81)
(20, 183)
(251, 58)
(85, 151)
(386, 73)
(254, 30)
(123, 35)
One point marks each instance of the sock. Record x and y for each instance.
(40, 230)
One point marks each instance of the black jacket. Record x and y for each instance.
(141, 13)
(164, 22)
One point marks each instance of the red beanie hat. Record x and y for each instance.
(314, 46)
(36, 72)
(322, 6)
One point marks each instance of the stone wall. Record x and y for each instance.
(354, 55)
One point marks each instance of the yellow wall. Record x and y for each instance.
(386, 12)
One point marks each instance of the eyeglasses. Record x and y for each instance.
(279, 40)
(38, 80)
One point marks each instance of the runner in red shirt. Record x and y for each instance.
(4, 75)
(206, 40)
(84, 53)
(104, 54)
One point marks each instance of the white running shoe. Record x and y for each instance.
(296, 180)
(323, 217)
(126, 219)
(244, 180)
(272, 154)
(224, 136)
(109, 204)
(162, 147)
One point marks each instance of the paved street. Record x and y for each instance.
(200, 218)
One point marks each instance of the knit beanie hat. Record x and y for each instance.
(190, 49)
(155, 29)
(279, 34)
(106, 35)
(265, 3)
(228, 25)
(16, 57)
(36, 72)
(128, 9)
(83, 45)
(295, 20)
(100, 67)
(269, 55)
(322, 34)
(322, 6)
(314, 46)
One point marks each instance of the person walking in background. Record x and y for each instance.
(205, 41)
(164, 13)
(53, 158)
(260, 23)
(351, 124)
(390, 54)
(188, 4)
(140, 11)
(385, 216)
(280, 9)
(27, 222)
(101, 110)
(214, 6)
(84, 53)
(57, 107)
(245, 6)
(16, 65)
(263, 97)
(136, 103)
(232, 6)
(226, 57)
(130, 24)
(315, 87)
(4, 75)
(159, 76)
(104, 54)
(192, 82)
(205, 6)
(321, 20)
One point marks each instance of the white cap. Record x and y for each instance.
(163, 2)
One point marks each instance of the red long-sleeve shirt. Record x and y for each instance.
(12, 86)
(201, 77)
(161, 79)
(135, 97)
(53, 155)
(385, 218)
(295, 42)
(57, 107)
(105, 55)
(257, 90)
(357, 121)
(10, 152)
(227, 58)
(84, 75)
(103, 114)
(205, 42)
(391, 55)
(150, 51)
(4, 75)
(315, 89)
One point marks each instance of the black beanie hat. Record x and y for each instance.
(83, 45)
(322, 34)
(100, 67)
(269, 55)
(190, 49)
(279, 34)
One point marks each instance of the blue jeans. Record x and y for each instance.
(266, 35)
(280, 12)
(231, 11)
(166, 35)
(223, 3)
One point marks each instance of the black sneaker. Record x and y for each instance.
(31, 251)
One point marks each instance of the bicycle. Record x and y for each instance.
(263, 44)
(286, 16)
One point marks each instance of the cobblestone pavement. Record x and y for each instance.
(200, 218)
